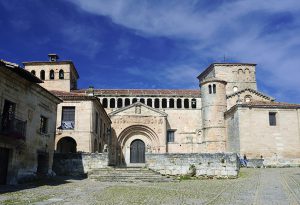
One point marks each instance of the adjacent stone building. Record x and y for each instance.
(227, 114)
(27, 125)
(82, 123)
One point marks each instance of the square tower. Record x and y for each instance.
(56, 75)
(238, 76)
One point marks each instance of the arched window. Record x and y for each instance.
(179, 105)
(51, 74)
(134, 100)
(61, 74)
(119, 102)
(104, 102)
(186, 103)
(171, 103)
(156, 103)
(149, 102)
(112, 103)
(164, 103)
(240, 71)
(209, 89)
(127, 101)
(42, 75)
(214, 88)
(142, 100)
(194, 103)
(33, 72)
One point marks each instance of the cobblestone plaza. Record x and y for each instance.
(254, 186)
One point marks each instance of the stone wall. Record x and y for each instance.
(219, 165)
(78, 164)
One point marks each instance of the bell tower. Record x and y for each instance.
(56, 75)
(213, 93)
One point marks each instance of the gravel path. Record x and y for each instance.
(254, 186)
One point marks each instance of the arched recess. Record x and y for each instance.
(138, 132)
(61, 74)
(66, 145)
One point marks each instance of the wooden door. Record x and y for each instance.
(137, 152)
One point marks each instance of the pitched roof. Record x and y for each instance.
(263, 104)
(211, 66)
(72, 96)
(142, 92)
(253, 91)
(138, 104)
(20, 71)
(77, 96)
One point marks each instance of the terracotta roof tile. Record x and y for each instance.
(262, 104)
(143, 92)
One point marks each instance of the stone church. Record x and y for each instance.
(226, 114)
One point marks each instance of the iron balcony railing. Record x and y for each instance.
(13, 128)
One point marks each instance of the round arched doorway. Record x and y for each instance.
(137, 151)
(66, 145)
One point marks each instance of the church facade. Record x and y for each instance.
(227, 114)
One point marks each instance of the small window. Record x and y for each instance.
(170, 135)
(134, 100)
(127, 101)
(104, 102)
(186, 103)
(164, 103)
(51, 74)
(33, 72)
(235, 89)
(142, 100)
(149, 102)
(156, 103)
(43, 125)
(214, 88)
(42, 75)
(171, 103)
(194, 103)
(119, 102)
(272, 118)
(179, 104)
(112, 103)
(61, 74)
(209, 89)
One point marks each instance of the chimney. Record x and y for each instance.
(53, 57)
(90, 91)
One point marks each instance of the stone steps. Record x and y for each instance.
(128, 174)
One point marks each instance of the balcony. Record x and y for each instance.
(67, 125)
(13, 128)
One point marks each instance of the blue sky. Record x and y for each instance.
(158, 43)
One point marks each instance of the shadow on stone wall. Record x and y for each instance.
(68, 164)
(116, 156)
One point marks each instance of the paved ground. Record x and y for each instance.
(254, 186)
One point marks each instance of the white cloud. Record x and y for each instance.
(236, 28)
